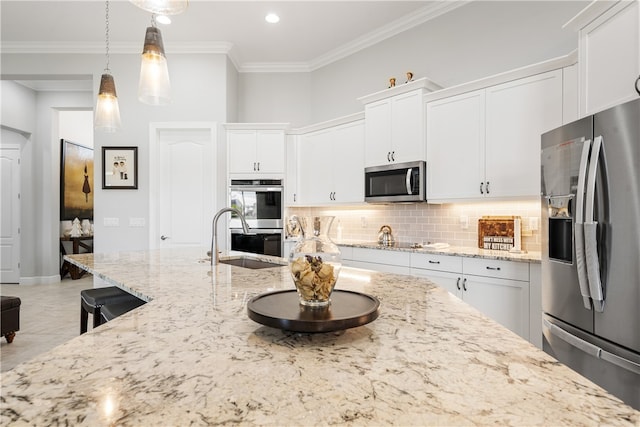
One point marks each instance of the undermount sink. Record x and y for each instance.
(251, 263)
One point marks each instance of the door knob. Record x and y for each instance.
(163, 237)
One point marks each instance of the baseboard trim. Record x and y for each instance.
(39, 280)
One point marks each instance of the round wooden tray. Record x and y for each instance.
(282, 310)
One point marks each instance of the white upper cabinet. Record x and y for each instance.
(455, 146)
(486, 143)
(255, 151)
(394, 124)
(291, 197)
(517, 113)
(331, 165)
(608, 54)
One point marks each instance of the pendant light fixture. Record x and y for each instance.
(162, 7)
(154, 87)
(107, 116)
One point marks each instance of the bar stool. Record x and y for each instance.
(111, 311)
(91, 301)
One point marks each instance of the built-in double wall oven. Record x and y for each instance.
(260, 201)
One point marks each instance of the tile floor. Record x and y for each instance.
(49, 316)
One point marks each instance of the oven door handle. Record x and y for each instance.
(256, 188)
(255, 231)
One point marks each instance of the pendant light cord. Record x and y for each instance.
(106, 34)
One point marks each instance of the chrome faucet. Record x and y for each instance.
(215, 256)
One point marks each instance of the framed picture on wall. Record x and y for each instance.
(76, 181)
(120, 168)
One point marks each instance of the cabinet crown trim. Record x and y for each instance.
(423, 83)
(328, 124)
(256, 126)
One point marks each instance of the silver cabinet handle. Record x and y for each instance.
(481, 191)
(258, 165)
(393, 156)
(487, 187)
(163, 237)
(458, 283)
(493, 268)
(254, 166)
(388, 156)
(464, 284)
(435, 262)
(294, 197)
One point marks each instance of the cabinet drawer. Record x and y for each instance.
(381, 256)
(449, 263)
(496, 268)
(346, 252)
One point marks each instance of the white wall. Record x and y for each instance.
(477, 40)
(200, 97)
(18, 104)
(76, 126)
(275, 98)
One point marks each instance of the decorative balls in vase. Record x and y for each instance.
(315, 262)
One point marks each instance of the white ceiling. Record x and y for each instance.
(309, 34)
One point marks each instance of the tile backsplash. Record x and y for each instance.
(456, 224)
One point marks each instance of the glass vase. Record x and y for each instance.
(315, 262)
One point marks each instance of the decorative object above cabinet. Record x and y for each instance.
(394, 123)
(256, 149)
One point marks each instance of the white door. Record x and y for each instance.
(10, 216)
(184, 178)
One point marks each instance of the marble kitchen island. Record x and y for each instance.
(191, 356)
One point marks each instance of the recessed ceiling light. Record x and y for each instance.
(272, 18)
(163, 19)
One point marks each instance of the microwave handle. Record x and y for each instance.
(408, 181)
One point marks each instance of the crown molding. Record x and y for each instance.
(389, 30)
(114, 48)
(396, 27)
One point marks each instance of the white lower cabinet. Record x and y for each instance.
(378, 260)
(498, 289)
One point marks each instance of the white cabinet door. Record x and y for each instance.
(291, 171)
(256, 151)
(378, 132)
(505, 301)
(407, 124)
(348, 163)
(455, 146)
(314, 179)
(331, 165)
(448, 281)
(242, 151)
(517, 113)
(609, 58)
(269, 151)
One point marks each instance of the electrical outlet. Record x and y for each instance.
(533, 223)
(464, 222)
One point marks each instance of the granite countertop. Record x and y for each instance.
(471, 252)
(191, 356)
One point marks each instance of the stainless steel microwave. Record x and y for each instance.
(397, 182)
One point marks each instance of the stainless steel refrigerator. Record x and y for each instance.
(590, 233)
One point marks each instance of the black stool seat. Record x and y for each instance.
(111, 311)
(93, 299)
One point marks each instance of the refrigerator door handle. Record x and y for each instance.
(590, 230)
(587, 347)
(590, 349)
(581, 262)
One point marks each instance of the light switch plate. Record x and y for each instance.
(137, 222)
(111, 222)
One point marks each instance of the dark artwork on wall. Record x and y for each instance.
(76, 181)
